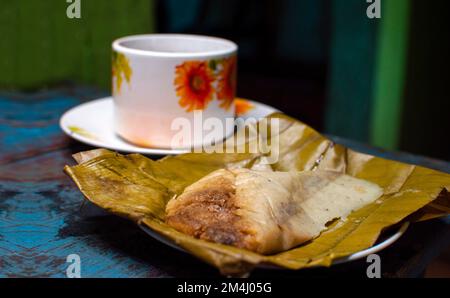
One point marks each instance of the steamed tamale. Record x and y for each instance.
(266, 211)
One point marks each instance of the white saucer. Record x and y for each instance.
(92, 123)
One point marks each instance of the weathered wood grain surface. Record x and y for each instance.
(43, 220)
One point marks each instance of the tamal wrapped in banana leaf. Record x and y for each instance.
(139, 188)
(266, 211)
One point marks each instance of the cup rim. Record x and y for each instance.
(229, 46)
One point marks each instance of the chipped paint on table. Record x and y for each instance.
(42, 217)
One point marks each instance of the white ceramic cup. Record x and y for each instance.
(157, 78)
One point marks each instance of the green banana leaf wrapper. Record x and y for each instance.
(139, 188)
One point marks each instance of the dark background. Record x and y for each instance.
(379, 81)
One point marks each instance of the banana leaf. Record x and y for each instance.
(138, 188)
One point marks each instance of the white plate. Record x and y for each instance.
(391, 238)
(92, 123)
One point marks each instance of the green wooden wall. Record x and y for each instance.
(367, 71)
(42, 46)
(390, 74)
(351, 72)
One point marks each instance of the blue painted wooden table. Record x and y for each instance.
(43, 218)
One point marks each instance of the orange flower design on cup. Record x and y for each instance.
(194, 85)
(243, 106)
(227, 82)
